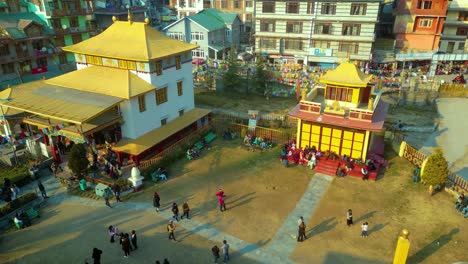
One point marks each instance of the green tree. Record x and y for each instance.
(260, 77)
(78, 161)
(435, 172)
(231, 79)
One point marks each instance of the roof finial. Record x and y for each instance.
(147, 21)
(114, 18)
(347, 60)
(129, 17)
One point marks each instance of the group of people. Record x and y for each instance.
(215, 251)
(364, 226)
(112, 189)
(262, 142)
(9, 190)
(461, 205)
(128, 242)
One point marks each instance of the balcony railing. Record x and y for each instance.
(71, 30)
(69, 12)
(314, 103)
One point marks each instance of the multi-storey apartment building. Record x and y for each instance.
(454, 36)
(26, 46)
(316, 32)
(244, 8)
(418, 24)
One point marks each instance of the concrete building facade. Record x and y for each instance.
(321, 33)
(454, 36)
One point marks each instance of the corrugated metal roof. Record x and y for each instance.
(56, 102)
(131, 41)
(148, 140)
(104, 80)
(206, 21)
(227, 18)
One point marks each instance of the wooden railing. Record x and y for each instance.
(413, 155)
(453, 90)
(311, 107)
(361, 114)
(276, 135)
(174, 147)
(455, 180)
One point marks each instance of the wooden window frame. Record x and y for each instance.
(180, 86)
(161, 95)
(358, 9)
(178, 62)
(142, 103)
(158, 66)
(266, 5)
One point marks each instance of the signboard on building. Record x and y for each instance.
(413, 56)
(321, 52)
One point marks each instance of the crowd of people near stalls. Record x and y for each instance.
(461, 205)
(311, 156)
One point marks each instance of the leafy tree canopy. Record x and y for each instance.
(78, 161)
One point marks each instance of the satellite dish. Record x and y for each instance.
(64, 26)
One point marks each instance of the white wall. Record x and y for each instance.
(137, 124)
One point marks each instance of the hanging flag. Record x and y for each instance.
(57, 127)
(46, 130)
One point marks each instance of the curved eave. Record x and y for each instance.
(344, 84)
(126, 58)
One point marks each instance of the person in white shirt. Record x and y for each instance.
(225, 249)
(364, 229)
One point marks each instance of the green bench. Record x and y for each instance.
(210, 137)
(199, 145)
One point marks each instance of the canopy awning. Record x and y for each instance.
(139, 145)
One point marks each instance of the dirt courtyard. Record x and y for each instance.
(260, 196)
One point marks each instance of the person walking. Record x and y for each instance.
(349, 217)
(112, 230)
(225, 248)
(222, 204)
(186, 210)
(107, 196)
(301, 232)
(300, 221)
(133, 239)
(175, 211)
(42, 189)
(215, 251)
(364, 229)
(125, 242)
(116, 190)
(97, 255)
(170, 230)
(156, 201)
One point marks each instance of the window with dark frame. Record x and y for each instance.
(74, 22)
(425, 23)
(179, 88)
(292, 44)
(328, 9)
(181, 112)
(142, 103)
(292, 8)
(339, 94)
(163, 121)
(462, 31)
(4, 50)
(267, 26)
(158, 65)
(323, 28)
(177, 62)
(358, 9)
(161, 96)
(268, 43)
(310, 7)
(351, 30)
(293, 27)
(424, 4)
(350, 48)
(236, 4)
(268, 7)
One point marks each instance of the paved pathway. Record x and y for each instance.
(285, 241)
(281, 248)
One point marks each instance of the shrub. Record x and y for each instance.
(78, 161)
(17, 175)
(435, 172)
(22, 201)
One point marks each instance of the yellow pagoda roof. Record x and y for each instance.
(131, 41)
(56, 102)
(347, 74)
(104, 80)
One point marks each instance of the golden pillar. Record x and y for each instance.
(402, 248)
